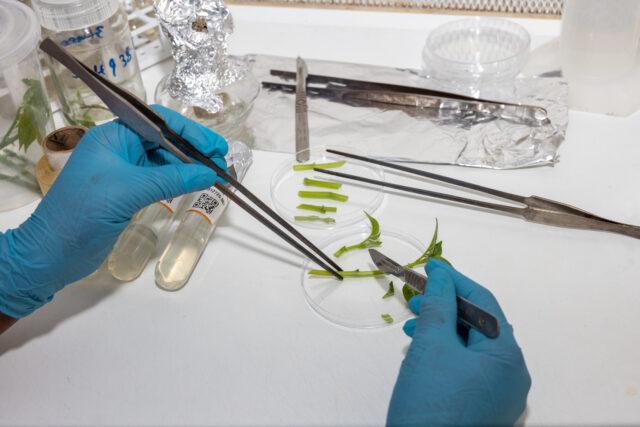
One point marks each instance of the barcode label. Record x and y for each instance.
(208, 203)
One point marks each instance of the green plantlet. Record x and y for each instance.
(433, 251)
(370, 242)
(311, 166)
(326, 220)
(316, 208)
(318, 183)
(323, 195)
(390, 292)
(387, 318)
(30, 119)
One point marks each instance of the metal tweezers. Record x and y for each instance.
(537, 209)
(151, 126)
(413, 100)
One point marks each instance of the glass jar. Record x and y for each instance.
(25, 115)
(237, 101)
(97, 33)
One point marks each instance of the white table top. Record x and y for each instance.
(239, 345)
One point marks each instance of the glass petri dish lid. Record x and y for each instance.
(286, 183)
(476, 48)
(356, 302)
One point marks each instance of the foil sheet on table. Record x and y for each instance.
(395, 135)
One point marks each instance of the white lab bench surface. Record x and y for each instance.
(240, 346)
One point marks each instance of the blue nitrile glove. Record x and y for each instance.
(110, 176)
(449, 379)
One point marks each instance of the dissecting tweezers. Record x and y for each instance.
(142, 119)
(537, 209)
(365, 93)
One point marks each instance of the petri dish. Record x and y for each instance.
(356, 302)
(476, 48)
(285, 184)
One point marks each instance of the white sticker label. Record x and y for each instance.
(209, 203)
(170, 204)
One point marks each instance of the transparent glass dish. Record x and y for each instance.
(238, 99)
(476, 49)
(356, 302)
(286, 183)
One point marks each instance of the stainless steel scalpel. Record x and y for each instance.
(469, 314)
(302, 120)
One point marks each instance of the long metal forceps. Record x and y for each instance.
(537, 209)
(151, 126)
(367, 94)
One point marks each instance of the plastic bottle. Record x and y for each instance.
(137, 243)
(600, 55)
(97, 33)
(187, 244)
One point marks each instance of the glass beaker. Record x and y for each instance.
(600, 55)
(25, 114)
(97, 33)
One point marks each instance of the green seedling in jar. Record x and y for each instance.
(29, 125)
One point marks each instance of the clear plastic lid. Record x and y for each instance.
(476, 48)
(19, 32)
(66, 15)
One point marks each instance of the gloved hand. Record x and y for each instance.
(110, 176)
(448, 378)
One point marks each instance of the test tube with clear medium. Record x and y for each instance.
(188, 242)
(137, 243)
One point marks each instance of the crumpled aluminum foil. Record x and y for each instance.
(198, 32)
(396, 135)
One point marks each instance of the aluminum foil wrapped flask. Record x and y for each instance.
(207, 84)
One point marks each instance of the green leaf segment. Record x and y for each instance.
(390, 292)
(326, 220)
(387, 318)
(323, 195)
(317, 208)
(324, 184)
(408, 292)
(311, 166)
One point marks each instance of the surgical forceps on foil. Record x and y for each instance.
(537, 209)
(150, 125)
(413, 100)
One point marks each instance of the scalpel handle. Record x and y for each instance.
(477, 318)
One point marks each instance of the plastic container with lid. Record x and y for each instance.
(600, 55)
(97, 33)
(25, 115)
